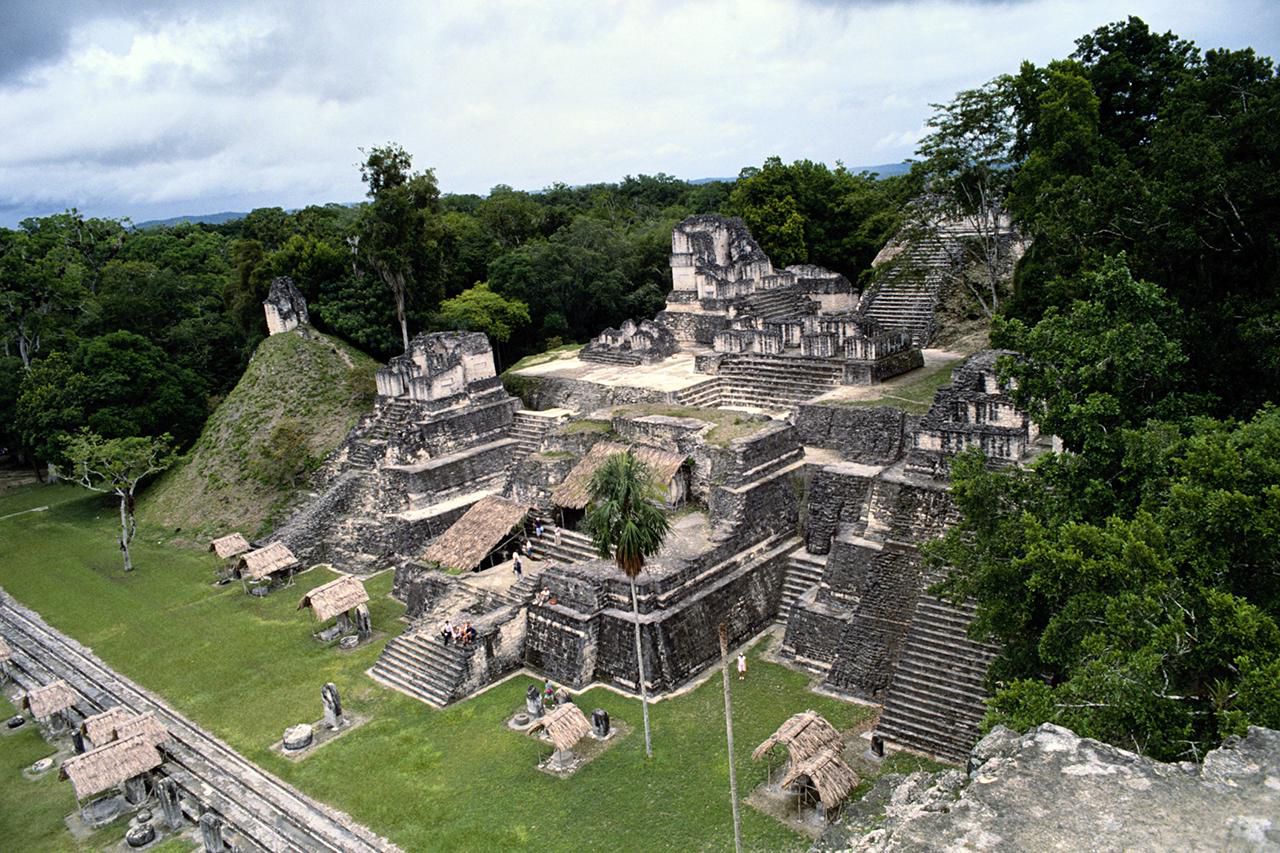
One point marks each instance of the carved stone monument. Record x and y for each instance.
(600, 723)
(533, 702)
(332, 706)
(170, 805)
(364, 625)
(211, 833)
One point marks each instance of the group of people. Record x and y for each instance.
(463, 635)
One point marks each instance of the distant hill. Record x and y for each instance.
(318, 385)
(884, 170)
(202, 219)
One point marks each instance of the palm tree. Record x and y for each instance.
(626, 522)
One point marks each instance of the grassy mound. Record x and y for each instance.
(294, 404)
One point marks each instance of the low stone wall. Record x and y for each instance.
(562, 646)
(550, 392)
(875, 372)
(419, 587)
(451, 471)
(873, 436)
(814, 630)
(466, 428)
(499, 648)
(693, 326)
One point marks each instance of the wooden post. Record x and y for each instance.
(728, 730)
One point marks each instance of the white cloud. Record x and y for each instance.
(189, 108)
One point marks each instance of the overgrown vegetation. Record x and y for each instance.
(296, 401)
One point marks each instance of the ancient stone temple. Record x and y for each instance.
(285, 306)
(437, 442)
(645, 343)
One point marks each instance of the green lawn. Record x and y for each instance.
(430, 780)
(912, 392)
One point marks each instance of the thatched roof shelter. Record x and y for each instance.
(112, 764)
(100, 728)
(573, 493)
(829, 774)
(337, 596)
(50, 699)
(258, 564)
(147, 726)
(229, 546)
(804, 735)
(566, 724)
(6, 654)
(476, 534)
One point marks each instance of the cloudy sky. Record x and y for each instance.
(153, 108)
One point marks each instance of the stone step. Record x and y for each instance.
(926, 662)
(925, 712)
(961, 690)
(927, 740)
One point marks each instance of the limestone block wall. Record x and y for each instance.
(465, 468)
(752, 514)
(305, 533)
(845, 577)
(909, 509)
(419, 587)
(874, 436)
(562, 645)
(499, 649)
(837, 495)
(693, 326)
(875, 372)
(868, 650)
(536, 475)
(814, 630)
(550, 392)
(466, 428)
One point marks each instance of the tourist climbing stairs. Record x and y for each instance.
(804, 571)
(778, 383)
(420, 664)
(574, 547)
(908, 288)
(938, 694)
(528, 429)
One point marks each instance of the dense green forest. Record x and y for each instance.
(1133, 580)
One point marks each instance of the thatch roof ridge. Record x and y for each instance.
(109, 765)
(49, 699)
(804, 734)
(476, 533)
(230, 545)
(566, 724)
(147, 725)
(573, 493)
(100, 728)
(830, 775)
(337, 596)
(265, 561)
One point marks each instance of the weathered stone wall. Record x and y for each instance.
(562, 645)
(867, 654)
(550, 392)
(455, 471)
(465, 428)
(756, 512)
(874, 436)
(775, 445)
(537, 474)
(306, 532)
(837, 495)
(693, 326)
(875, 372)
(814, 630)
(499, 648)
(419, 586)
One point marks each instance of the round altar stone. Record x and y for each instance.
(16, 722)
(42, 765)
(349, 642)
(140, 835)
(297, 737)
(520, 719)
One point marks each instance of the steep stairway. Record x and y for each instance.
(937, 698)
(907, 293)
(804, 571)
(574, 547)
(776, 383)
(528, 428)
(777, 303)
(418, 663)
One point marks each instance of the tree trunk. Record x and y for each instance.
(124, 532)
(644, 692)
(728, 731)
(404, 324)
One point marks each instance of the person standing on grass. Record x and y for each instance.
(742, 666)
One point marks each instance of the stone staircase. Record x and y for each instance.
(606, 356)
(907, 293)
(804, 570)
(937, 698)
(527, 428)
(776, 303)
(776, 383)
(574, 547)
(393, 417)
(423, 666)
(703, 395)
(364, 454)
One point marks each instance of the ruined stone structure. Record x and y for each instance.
(645, 343)
(285, 306)
(436, 442)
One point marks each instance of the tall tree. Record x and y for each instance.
(116, 466)
(627, 523)
(400, 229)
(479, 309)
